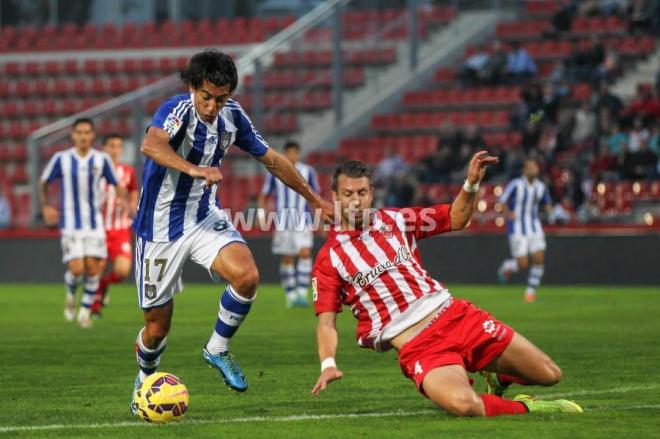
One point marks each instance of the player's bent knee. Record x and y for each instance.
(246, 283)
(551, 375)
(465, 405)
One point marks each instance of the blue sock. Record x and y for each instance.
(148, 359)
(233, 310)
(71, 283)
(304, 269)
(89, 292)
(288, 279)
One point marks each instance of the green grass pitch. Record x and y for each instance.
(60, 381)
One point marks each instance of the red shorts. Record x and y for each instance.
(462, 334)
(119, 243)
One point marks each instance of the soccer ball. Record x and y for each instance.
(161, 398)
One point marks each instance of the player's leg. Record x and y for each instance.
(450, 389)
(288, 278)
(518, 261)
(93, 267)
(537, 249)
(235, 264)
(72, 279)
(304, 274)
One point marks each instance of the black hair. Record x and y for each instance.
(352, 169)
(82, 120)
(291, 144)
(111, 136)
(212, 66)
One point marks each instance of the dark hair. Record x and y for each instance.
(352, 169)
(213, 66)
(82, 120)
(111, 136)
(291, 144)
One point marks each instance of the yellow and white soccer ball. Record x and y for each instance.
(161, 398)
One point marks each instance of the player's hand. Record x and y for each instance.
(328, 213)
(51, 215)
(512, 216)
(478, 165)
(211, 175)
(327, 376)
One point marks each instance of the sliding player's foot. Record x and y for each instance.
(493, 383)
(229, 369)
(70, 309)
(540, 406)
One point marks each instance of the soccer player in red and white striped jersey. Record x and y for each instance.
(372, 264)
(117, 214)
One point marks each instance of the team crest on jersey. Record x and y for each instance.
(150, 291)
(225, 140)
(172, 124)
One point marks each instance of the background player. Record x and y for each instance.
(80, 170)
(178, 217)
(375, 268)
(117, 219)
(521, 200)
(293, 236)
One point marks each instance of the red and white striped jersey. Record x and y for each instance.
(114, 217)
(378, 273)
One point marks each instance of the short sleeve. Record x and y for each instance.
(109, 171)
(423, 222)
(326, 285)
(269, 185)
(509, 191)
(53, 169)
(313, 180)
(247, 136)
(171, 116)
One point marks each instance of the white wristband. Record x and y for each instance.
(470, 188)
(328, 362)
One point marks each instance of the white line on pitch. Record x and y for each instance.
(294, 418)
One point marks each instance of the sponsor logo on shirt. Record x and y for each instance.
(315, 293)
(362, 279)
(172, 124)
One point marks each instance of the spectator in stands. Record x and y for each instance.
(473, 66)
(436, 167)
(495, 68)
(639, 16)
(473, 137)
(610, 67)
(638, 135)
(450, 136)
(530, 137)
(563, 18)
(584, 124)
(5, 211)
(461, 162)
(388, 168)
(583, 63)
(519, 64)
(647, 101)
(400, 191)
(654, 144)
(641, 164)
(616, 141)
(606, 99)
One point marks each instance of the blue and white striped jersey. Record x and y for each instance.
(523, 199)
(81, 192)
(172, 201)
(292, 209)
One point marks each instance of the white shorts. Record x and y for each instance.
(159, 265)
(77, 245)
(524, 245)
(291, 242)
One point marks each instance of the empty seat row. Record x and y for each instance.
(322, 58)
(435, 120)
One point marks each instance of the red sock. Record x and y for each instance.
(113, 278)
(507, 380)
(496, 406)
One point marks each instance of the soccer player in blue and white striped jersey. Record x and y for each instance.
(521, 200)
(179, 217)
(293, 236)
(80, 170)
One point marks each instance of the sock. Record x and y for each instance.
(288, 278)
(71, 283)
(507, 380)
(304, 269)
(510, 265)
(233, 310)
(109, 279)
(148, 359)
(496, 406)
(89, 291)
(534, 278)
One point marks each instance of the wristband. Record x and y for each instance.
(328, 362)
(470, 188)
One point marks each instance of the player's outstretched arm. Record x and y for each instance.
(326, 335)
(278, 165)
(156, 146)
(466, 200)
